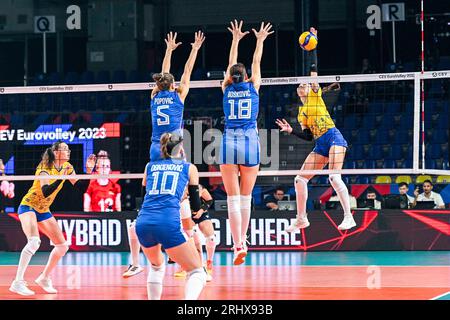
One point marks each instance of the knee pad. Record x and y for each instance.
(210, 241)
(299, 179)
(246, 202)
(234, 204)
(61, 249)
(336, 181)
(198, 273)
(185, 210)
(156, 274)
(132, 230)
(33, 245)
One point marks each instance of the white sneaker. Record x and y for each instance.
(21, 287)
(239, 256)
(300, 222)
(46, 284)
(347, 223)
(132, 271)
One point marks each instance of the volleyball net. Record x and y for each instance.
(379, 115)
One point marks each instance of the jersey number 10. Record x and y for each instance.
(161, 185)
(244, 109)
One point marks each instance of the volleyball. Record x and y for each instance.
(308, 41)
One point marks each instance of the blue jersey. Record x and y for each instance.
(241, 106)
(166, 183)
(167, 114)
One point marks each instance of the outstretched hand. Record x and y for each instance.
(313, 31)
(264, 31)
(171, 41)
(236, 30)
(199, 39)
(284, 125)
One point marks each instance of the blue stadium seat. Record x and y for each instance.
(401, 137)
(395, 153)
(439, 136)
(363, 136)
(445, 165)
(406, 121)
(389, 164)
(433, 151)
(363, 180)
(375, 152)
(87, 77)
(369, 122)
(351, 122)
(382, 137)
(357, 152)
(71, 78)
(388, 122)
(375, 107)
(393, 108)
(430, 164)
(442, 123)
(103, 77)
(119, 76)
(369, 164)
(407, 164)
(349, 164)
(55, 78)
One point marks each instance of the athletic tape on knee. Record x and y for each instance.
(32, 245)
(61, 249)
(156, 274)
(234, 204)
(246, 202)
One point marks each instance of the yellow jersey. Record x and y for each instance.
(314, 114)
(34, 198)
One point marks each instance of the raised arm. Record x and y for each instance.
(171, 45)
(311, 57)
(189, 66)
(261, 35)
(232, 60)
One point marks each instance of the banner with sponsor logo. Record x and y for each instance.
(376, 230)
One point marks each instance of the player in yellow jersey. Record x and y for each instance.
(34, 215)
(330, 147)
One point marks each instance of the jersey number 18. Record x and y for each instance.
(244, 109)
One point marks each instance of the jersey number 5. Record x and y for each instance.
(244, 109)
(162, 185)
(163, 119)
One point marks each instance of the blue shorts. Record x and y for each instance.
(39, 216)
(333, 137)
(151, 232)
(155, 151)
(241, 147)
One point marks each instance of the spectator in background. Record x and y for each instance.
(353, 202)
(403, 190)
(429, 195)
(372, 195)
(271, 201)
(103, 194)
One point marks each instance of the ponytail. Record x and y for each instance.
(163, 80)
(48, 157)
(170, 144)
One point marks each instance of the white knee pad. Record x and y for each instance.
(211, 241)
(61, 249)
(198, 273)
(132, 230)
(336, 182)
(298, 178)
(185, 210)
(156, 274)
(33, 245)
(234, 204)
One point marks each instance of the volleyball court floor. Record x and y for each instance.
(406, 275)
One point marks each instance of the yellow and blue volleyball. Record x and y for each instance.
(308, 41)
